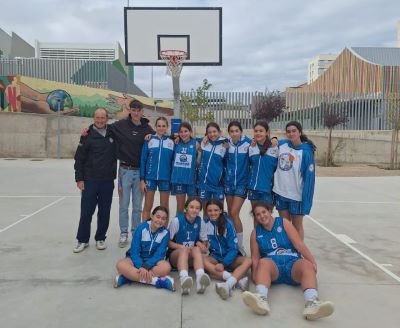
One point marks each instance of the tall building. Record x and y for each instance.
(398, 34)
(13, 46)
(319, 65)
(85, 51)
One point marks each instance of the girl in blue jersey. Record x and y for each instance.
(294, 178)
(236, 176)
(212, 164)
(155, 167)
(185, 235)
(223, 261)
(280, 256)
(145, 260)
(263, 161)
(184, 167)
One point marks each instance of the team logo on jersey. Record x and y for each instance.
(279, 229)
(285, 161)
(311, 167)
(183, 158)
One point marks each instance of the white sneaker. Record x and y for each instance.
(316, 309)
(80, 247)
(243, 284)
(101, 245)
(223, 290)
(123, 240)
(186, 284)
(256, 302)
(203, 283)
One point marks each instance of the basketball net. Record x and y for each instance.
(174, 60)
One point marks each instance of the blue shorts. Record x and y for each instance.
(285, 264)
(161, 184)
(292, 206)
(260, 196)
(238, 191)
(207, 194)
(183, 189)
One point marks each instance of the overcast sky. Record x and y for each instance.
(266, 43)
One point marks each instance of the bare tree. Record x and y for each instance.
(195, 108)
(269, 105)
(332, 118)
(393, 117)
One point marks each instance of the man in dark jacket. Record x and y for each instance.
(95, 171)
(129, 135)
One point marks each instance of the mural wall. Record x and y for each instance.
(30, 95)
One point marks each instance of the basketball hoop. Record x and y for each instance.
(174, 60)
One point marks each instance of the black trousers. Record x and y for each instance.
(96, 193)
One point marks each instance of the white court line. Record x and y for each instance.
(380, 266)
(32, 214)
(354, 202)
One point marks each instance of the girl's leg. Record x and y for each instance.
(180, 203)
(229, 200)
(126, 268)
(234, 213)
(179, 258)
(148, 204)
(202, 279)
(164, 199)
(266, 272)
(285, 214)
(303, 272)
(210, 267)
(297, 221)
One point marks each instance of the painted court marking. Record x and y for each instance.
(32, 214)
(348, 244)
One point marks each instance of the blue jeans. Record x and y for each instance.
(129, 182)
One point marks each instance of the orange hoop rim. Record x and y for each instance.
(172, 53)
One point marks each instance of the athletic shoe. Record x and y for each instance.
(80, 247)
(223, 290)
(186, 284)
(315, 309)
(123, 240)
(203, 283)
(243, 284)
(101, 245)
(166, 282)
(120, 280)
(256, 302)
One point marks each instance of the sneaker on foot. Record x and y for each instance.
(315, 309)
(243, 284)
(80, 247)
(203, 283)
(120, 280)
(166, 282)
(186, 284)
(123, 240)
(256, 302)
(223, 290)
(101, 245)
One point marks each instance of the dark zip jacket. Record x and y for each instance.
(95, 157)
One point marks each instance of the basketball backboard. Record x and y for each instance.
(195, 30)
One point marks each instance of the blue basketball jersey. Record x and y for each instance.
(275, 244)
(183, 232)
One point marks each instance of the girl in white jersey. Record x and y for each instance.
(294, 177)
(280, 256)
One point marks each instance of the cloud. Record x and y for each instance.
(266, 44)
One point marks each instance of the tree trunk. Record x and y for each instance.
(329, 159)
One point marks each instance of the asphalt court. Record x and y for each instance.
(352, 231)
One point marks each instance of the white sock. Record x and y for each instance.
(226, 275)
(262, 290)
(231, 282)
(310, 293)
(183, 274)
(240, 239)
(199, 273)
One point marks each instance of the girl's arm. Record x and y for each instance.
(301, 247)
(308, 173)
(232, 251)
(135, 249)
(143, 160)
(255, 252)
